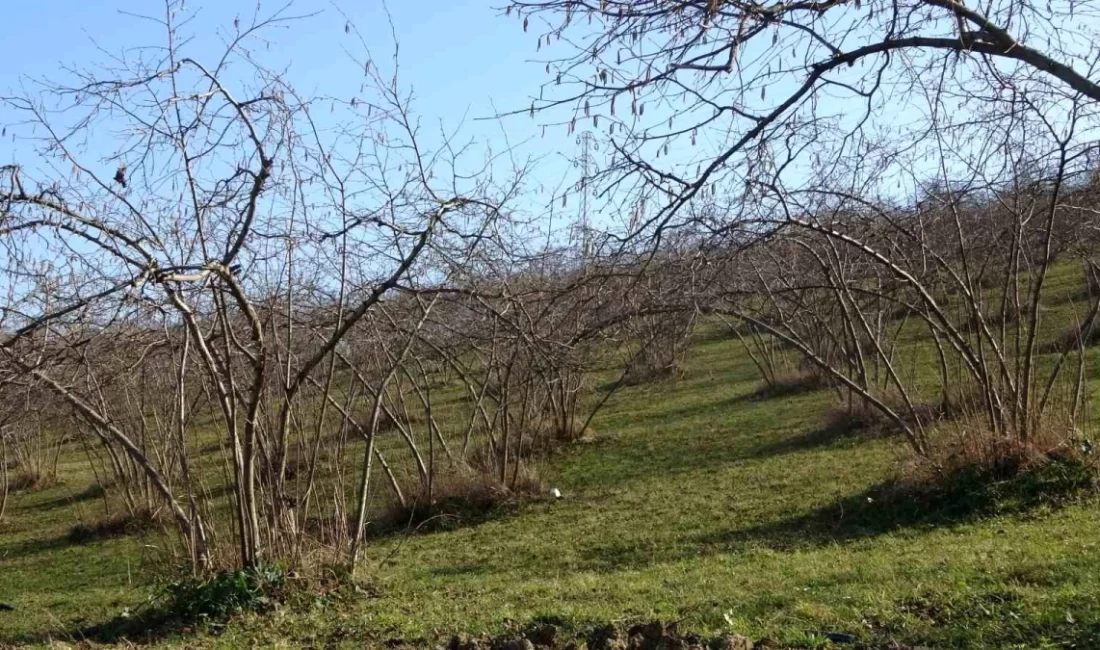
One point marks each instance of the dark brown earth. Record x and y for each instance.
(654, 635)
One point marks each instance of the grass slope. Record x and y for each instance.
(698, 501)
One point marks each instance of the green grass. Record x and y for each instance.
(697, 501)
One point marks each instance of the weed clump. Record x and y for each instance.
(460, 496)
(191, 602)
(225, 594)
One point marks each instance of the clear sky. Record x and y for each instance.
(455, 53)
(462, 60)
(459, 57)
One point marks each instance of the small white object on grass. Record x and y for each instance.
(555, 492)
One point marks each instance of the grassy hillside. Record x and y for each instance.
(698, 500)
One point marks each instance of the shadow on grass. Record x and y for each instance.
(1085, 292)
(86, 532)
(798, 384)
(131, 629)
(628, 555)
(612, 385)
(893, 506)
(1069, 339)
(89, 493)
(694, 437)
(31, 547)
(965, 495)
(840, 428)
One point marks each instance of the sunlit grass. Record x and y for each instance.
(697, 500)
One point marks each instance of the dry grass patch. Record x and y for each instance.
(461, 495)
(29, 481)
(118, 525)
(969, 443)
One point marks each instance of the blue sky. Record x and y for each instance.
(459, 57)
(455, 53)
(462, 60)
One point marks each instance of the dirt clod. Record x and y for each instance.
(731, 642)
(606, 638)
(517, 644)
(545, 635)
(654, 635)
(463, 642)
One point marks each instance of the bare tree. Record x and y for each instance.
(848, 165)
(209, 260)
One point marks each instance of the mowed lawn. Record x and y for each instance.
(696, 500)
